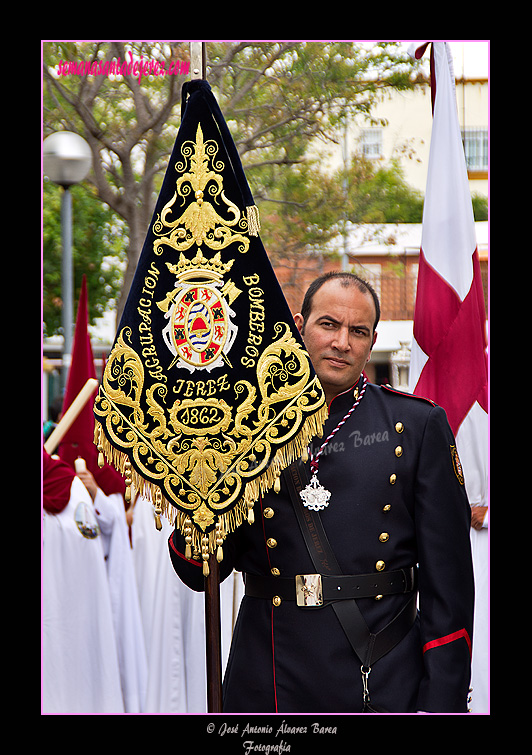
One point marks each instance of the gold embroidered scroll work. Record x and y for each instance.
(199, 417)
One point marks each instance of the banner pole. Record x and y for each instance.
(198, 68)
(198, 60)
(213, 637)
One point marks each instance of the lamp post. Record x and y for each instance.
(67, 160)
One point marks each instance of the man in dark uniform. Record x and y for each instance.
(397, 511)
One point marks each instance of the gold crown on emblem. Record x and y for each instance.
(213, 269)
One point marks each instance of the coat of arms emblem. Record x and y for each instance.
(199, 332)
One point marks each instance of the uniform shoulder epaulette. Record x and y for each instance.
(390, 389)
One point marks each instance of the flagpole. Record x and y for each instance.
(70, 416)
(198, 70)
(198, 60)
(213, 637)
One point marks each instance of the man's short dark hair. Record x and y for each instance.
(346, 280)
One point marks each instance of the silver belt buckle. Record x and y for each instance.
(309, 592)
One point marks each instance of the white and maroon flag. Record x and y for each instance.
(449, 360)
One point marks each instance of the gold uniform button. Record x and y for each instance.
(271, 542)
(378, 597)
(275, 571)
(276, 600)
(399, 427)
(268, 513)
(380, 565)
(393, 478)
(399, 451)
(384, 537)
(387, 508)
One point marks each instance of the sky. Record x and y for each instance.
(470, 57)
(473, 56)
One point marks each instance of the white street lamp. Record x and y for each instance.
(67, 160)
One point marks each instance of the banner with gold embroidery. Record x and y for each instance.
(208, 392)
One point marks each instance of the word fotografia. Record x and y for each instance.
(117, 67)
(277, 749)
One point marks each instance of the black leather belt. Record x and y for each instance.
(316, 590)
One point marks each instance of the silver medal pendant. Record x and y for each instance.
(315, 496)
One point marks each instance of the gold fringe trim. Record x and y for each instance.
(198, 544)
(252, 213)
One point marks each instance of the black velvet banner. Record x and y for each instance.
(208, 392)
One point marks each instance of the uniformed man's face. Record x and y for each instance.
(339, 335)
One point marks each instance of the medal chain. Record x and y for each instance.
(315, 459)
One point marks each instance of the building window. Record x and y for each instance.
(372, 142)
(476, 148)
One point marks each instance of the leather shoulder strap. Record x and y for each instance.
(324, 560)
(369, 647)
(320, 550)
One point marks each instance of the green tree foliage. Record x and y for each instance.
(98, 251)
(381, 194)
(277, 97)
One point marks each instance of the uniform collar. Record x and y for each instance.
(342, 402)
